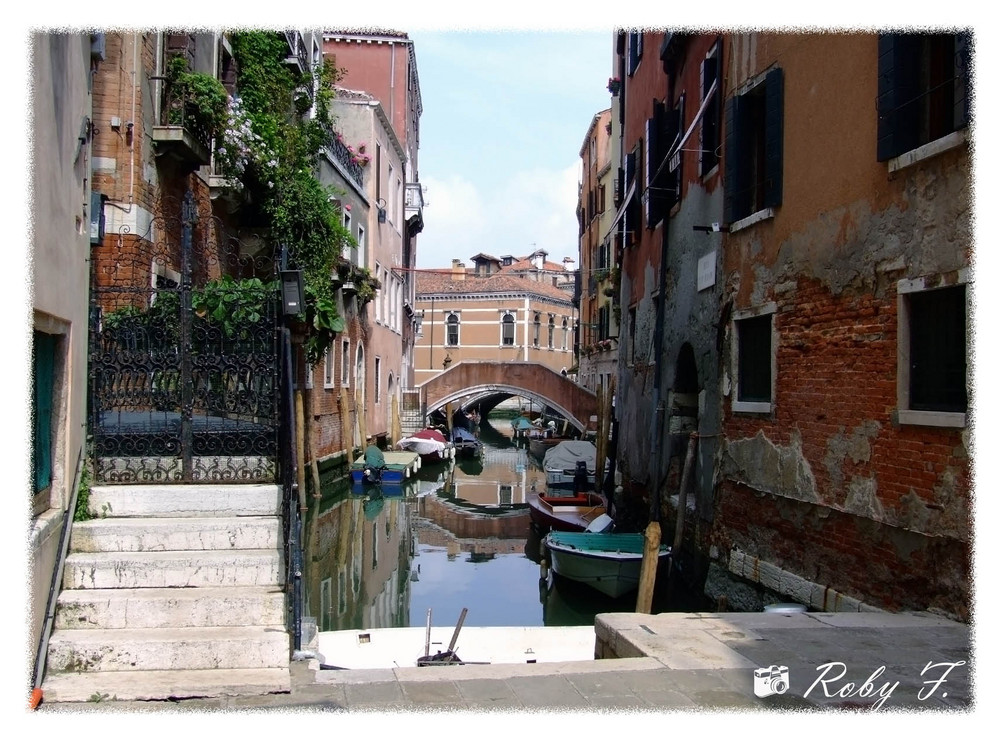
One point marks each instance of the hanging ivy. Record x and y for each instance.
(272, 148)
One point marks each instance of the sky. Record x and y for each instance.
(504, 117)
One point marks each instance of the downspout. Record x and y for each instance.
(659, 409)
(527, 311)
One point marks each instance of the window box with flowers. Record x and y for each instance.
(614, 85)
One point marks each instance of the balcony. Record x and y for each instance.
(338, 150)
(414, 207)
(180, 133)
(298, 54)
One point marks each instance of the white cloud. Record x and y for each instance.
(530, 209)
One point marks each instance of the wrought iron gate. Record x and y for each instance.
(183, 355)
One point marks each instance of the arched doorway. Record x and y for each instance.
(684, 398)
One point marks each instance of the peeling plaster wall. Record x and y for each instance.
(830, 485)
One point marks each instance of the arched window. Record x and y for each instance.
(552, 329)
(452, 326)
(538, 329)
(565, 327)
(507, 330)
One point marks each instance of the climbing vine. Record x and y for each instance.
(271, 147)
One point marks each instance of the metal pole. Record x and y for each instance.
(188, 217)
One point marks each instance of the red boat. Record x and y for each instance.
(570, 512)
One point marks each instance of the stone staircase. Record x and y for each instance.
(175, 591)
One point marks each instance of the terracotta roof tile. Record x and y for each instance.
(441, 282)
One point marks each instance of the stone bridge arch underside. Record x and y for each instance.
(482, 379)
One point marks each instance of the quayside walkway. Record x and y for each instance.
(822, 662)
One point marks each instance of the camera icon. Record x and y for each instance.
(770, 680)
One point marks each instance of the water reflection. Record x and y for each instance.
(456, 535)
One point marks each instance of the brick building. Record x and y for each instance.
(599, 312)
(482, 315)
(827, 313)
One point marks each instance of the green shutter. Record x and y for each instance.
(43, 366)
(774, 133)
(732, 183)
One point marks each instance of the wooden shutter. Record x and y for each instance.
(732, 185)
(898, 94)
(43, 359)
(774, 133)
(963, 80)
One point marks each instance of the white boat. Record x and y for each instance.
(390, 648)
(429, 444)
(608, 562)
(563, 461)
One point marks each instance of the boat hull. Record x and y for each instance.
(608, 562)
(567, 513)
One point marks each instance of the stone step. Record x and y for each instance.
(184, 500)
(163, 685)
(140, 569)
(175, 534)
(137, 649)
(170, 607)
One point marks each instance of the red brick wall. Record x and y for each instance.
(834, 414)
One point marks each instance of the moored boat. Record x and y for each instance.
(571, 464)
(608, 562)
(565, 512)
(429, 443)
(466, 444)
(384, 467)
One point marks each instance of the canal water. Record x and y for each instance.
(455, 536)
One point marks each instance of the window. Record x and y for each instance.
(378, 171)
(378, 380)
(347, 221)
(378, 299)
(754, 360)
(507, 330)
(359, 258)
(932, 366)
(565, 331)
(537, 329)
(399, 199)
(345, 364)
(328, 372)
(392, 197)
(451, 323)
(923, 89)
(552, 330)
(710, 118)
(634, 52)
(754, 132)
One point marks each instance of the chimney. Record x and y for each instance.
(457, 270)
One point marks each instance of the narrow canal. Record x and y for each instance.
(457, 535)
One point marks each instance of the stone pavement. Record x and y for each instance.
(836, 662)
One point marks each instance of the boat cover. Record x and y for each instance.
(461, 435)
(430, 434)
(374, 457)
(565, 455)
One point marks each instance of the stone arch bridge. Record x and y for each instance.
(504, 379)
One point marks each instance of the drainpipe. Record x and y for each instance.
(527, 312)
(658, 405)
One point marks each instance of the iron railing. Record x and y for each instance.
(288, 475)
(298, 53)
(338, 150)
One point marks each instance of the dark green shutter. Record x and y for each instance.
(43, 365)
(898, 94)
(774, 134)
(732, 183)
(963, 82)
